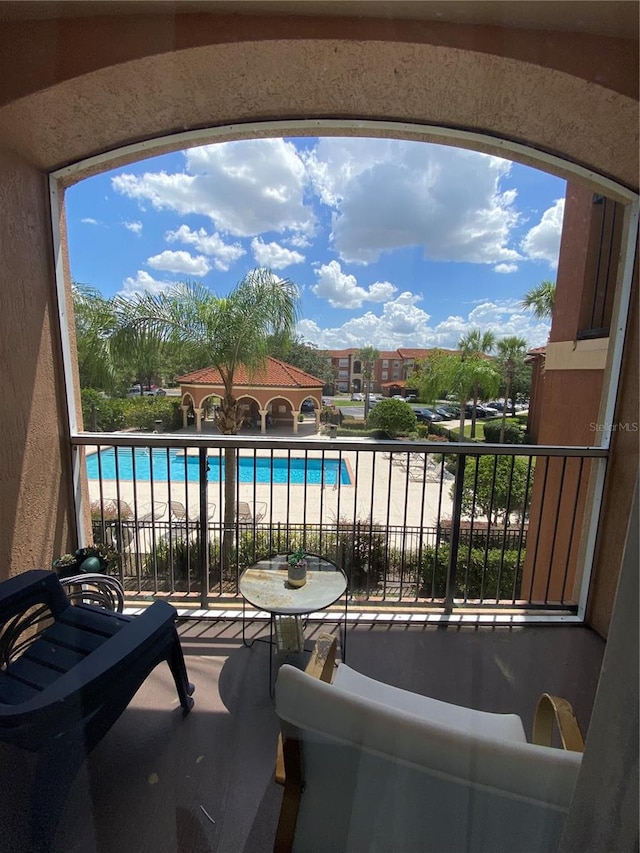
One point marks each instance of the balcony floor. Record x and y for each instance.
(159, 783)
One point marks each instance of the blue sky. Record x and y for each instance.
(391, 243)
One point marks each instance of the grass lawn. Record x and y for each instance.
(467, 430)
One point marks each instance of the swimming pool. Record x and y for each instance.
(251, 469)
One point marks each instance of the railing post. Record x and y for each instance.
(204, 530)
(455, 534)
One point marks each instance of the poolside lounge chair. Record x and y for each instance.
(244, 514)
(153, 512)
(179, 513)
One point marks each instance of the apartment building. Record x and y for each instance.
(390, 372)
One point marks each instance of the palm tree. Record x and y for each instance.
(511, 350)
(476, 344)
(542, 299)
(94, 325)
(225, 332)
(448, 373)
(368, 357)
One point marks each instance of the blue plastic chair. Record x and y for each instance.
(62, 692)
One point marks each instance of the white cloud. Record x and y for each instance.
(212, 245)
(180, 262)
(542, 242)
(136, 227)
(390, 194)
(274, 255)
(245, 187)
(341, 289)
(505, 269)
(89, 220)
(403, 324)
(142, 282)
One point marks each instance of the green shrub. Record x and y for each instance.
(495, 485)
(513, 431)
(350, 423)
(179, 559)
(106, 414)
(394, 416)
(493, 574)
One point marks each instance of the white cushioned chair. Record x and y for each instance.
(370, 767)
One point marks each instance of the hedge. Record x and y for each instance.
(514, 431)
(108, 414)
(491, 574)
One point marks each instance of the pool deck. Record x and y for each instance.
(396, 499)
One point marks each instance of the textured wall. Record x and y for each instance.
(415, 75)
(35, 501)
(73, 88)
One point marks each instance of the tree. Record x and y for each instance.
(368, 357)
(511, 352)
(225, 332)
(475, 344)
(302, 354)
(141, 351)
(498, 490)
(394, 416)
(542, 299)
(444, 373)
(94, 326)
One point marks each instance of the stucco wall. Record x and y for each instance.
(74, 88)
(35, 502)
(208, 71)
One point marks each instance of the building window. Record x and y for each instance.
(396, 374)
(396, 364)
(385, 362)
(343, 362)
(357, 367)
(385, 375)
(343, 374)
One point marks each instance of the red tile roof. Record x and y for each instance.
(342, 353)
(273, 373)
(423, 353)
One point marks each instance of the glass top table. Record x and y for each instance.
(265, 586)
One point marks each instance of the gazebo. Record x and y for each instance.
(271, 394)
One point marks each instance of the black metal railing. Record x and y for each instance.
(438, 525)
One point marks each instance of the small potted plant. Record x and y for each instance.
(92, 558)
(297, 574)
(67, 565)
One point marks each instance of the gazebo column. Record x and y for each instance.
(198, 414)
(185, 420)
(294, 415)
(263, 420)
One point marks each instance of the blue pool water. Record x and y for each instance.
(251, 469)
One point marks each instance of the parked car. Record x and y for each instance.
(307, 406)
(426, 416)
(482, 411)
(448, 413)
(357, 398)
(147, 391)
(411, 398)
